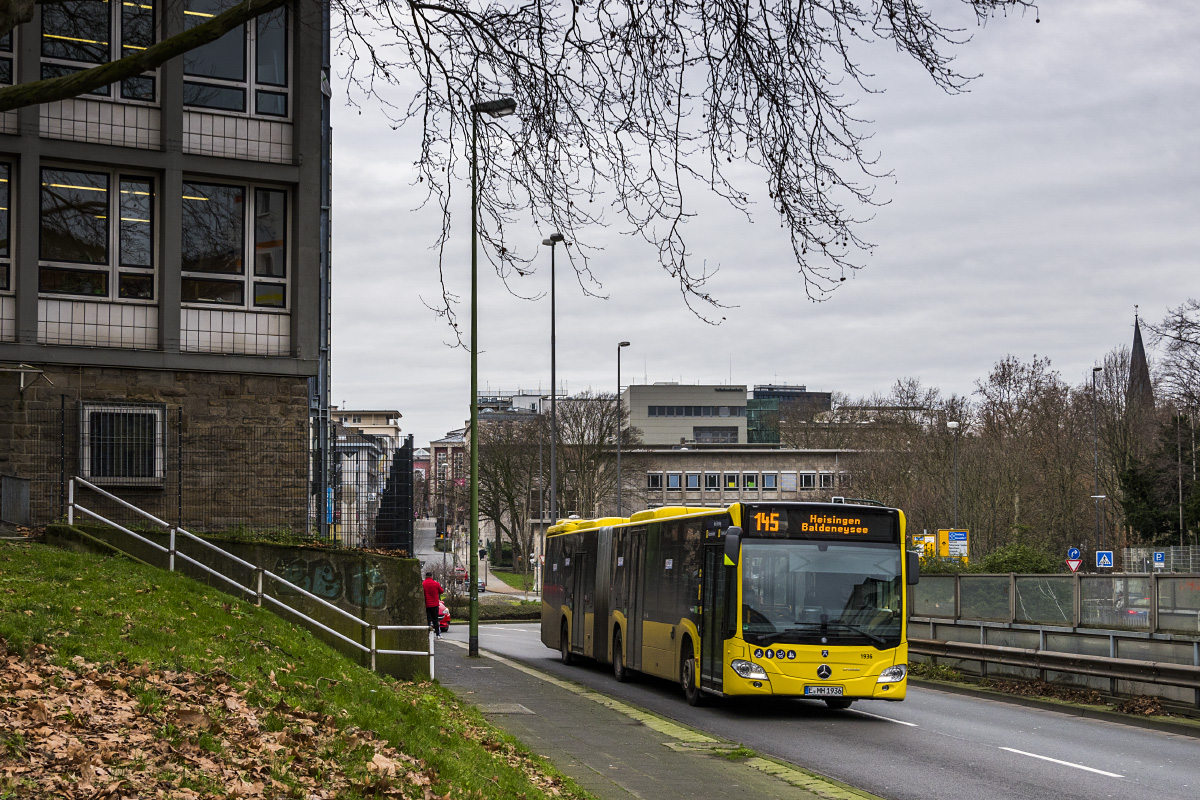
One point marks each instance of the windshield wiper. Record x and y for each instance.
(854, 628)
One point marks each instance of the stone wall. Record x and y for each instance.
(235, 452)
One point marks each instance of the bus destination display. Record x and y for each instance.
(784, 522)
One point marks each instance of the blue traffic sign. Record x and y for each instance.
(1104, 559)
(1160, 557)
(1073, 553)
(958, 536)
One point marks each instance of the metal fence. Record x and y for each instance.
(1152, 602)
(270, 481)
(1175, 559)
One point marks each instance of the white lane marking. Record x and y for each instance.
(886, 719)
(1064, 763)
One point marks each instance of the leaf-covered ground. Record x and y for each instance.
(118, 681)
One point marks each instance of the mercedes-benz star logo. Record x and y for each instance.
(823, 672)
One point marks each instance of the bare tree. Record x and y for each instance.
(1179, 333)
(508, 469)
(629, 107)
(624, 106)
(587, 458)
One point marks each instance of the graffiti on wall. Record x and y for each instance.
(353, 582)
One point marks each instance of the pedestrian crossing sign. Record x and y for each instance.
(1104, 559)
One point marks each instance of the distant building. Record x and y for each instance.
(671, 413)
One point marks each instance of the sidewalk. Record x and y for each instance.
(614, 750)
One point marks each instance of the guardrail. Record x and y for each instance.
(259, 574)
(1156, 672)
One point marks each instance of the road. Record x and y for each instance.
(932, 746)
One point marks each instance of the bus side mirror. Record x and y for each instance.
(913, 567)
(733, 545)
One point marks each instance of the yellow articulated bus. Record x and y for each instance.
(781, 599)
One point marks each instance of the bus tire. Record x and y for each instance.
(688, 677)
(838, 702)
(564, 647)
(620, 671)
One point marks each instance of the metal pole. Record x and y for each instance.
(541, 516)
(473, 631)
(553, 393)
(1096, 453)
(956, 477)
(620, 508)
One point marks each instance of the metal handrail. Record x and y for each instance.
(1126, 669)
(259, 573)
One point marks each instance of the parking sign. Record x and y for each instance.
(1160, 559)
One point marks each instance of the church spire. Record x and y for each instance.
(1140, 391)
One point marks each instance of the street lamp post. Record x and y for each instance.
(620, 509)
(1096, 452)
(552, 243)
(494, 108)
(952, 425)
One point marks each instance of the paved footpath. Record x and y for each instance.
(612, 749)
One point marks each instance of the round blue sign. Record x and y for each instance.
(1073, 553)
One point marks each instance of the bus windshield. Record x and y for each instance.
(808, 592)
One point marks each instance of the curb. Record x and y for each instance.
(1090, 712)
(684, 738)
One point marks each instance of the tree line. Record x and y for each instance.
(1042, 463)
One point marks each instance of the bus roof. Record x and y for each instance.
(673, 512)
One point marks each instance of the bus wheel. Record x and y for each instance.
(564, 647)
(838, 702)
(620, 672)
(688, 678)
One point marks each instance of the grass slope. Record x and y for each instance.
(70, 609)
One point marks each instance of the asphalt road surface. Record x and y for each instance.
(932, 746)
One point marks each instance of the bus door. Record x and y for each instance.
(635, 595)
(584, 576)
(712, 618)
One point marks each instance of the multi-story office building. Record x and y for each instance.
(161, 259)
(671, 414)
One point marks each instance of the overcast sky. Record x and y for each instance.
(1027, 217)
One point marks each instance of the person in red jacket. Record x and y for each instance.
(433, 594)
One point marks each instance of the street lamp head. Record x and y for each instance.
(622, 344)
(1096, 370)
(502, 107)
(556, 237)
(952, 425)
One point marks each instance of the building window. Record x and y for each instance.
(5, 198)
(6, 58)
(826, 480)
(216, 247)
(81, 34)
(806, 480)
(696, 411)
(750, 481)
(844, 480)
(81, 252)
(770, 481)
(715, 435)
(654, 481)
(122, 444)
(730, 482)
(712, 482)
(674, 481)
(245, 71)
(693, 481)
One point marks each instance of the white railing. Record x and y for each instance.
(259, 573)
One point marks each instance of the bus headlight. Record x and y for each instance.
(748, 669)
(893, 674)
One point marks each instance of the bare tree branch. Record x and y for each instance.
(61, 88)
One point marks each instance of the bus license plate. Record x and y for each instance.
(822, 691)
